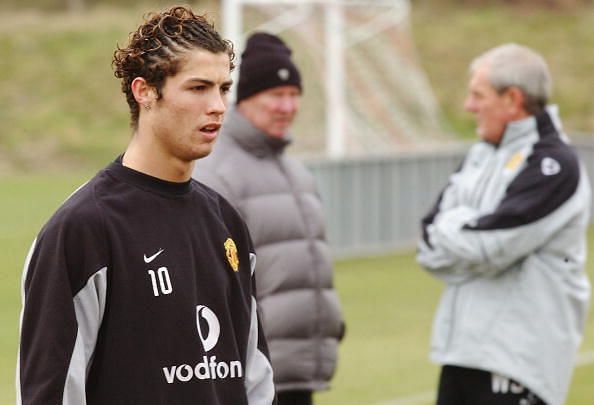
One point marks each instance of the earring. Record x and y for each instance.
(147, 107)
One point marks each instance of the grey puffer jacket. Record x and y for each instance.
(278, 199)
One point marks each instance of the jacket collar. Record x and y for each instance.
(520, 128)
(250, 138)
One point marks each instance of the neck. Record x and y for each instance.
(145, 156)
(520, 115)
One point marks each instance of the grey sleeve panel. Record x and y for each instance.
(19, 400)
(89, 306)
(258, 375)
(259, 384)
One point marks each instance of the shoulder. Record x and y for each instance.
(551, 153)
(296, 165)
(79, 211)
(221, 211)
(204, 192)
(301, 174)
(552, 156)
(74, 238)
(213, 200)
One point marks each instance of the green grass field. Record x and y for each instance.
(388, 303)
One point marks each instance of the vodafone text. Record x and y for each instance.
(207, 369)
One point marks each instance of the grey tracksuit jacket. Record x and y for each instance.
(278, 199)
(508, 237)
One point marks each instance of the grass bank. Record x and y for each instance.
(449, 37)
(62, 107)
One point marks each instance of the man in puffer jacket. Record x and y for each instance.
(508, 238)
(278, 199)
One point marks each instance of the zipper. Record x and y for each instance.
(452, 317)
(316, 276)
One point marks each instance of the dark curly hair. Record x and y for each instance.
(156, 48)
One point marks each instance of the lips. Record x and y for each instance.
(214, 127)
(210, 130)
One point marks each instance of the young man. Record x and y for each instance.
(278, 199)
(508, 237)
(140, 288)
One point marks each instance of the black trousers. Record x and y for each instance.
(467, 386)
(294, 398)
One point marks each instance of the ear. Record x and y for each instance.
(515, 101)
(144, 94)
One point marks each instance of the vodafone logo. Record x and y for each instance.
(209, 328)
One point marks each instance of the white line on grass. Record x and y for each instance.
(583, 359)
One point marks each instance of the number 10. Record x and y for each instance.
(164, 285)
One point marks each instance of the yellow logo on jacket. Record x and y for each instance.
(515, 161)
(231, 253)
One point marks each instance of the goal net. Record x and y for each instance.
(364, 90)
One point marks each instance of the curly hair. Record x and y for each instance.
(156, 48)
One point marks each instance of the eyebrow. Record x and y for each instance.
(208, 82)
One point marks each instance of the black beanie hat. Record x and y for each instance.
(265, 63)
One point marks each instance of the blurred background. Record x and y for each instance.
(404, 78)
(381, 127)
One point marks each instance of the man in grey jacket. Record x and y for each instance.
(508, 237)
(278, 199)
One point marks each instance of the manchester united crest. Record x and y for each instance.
(514, 161)
(231, 252)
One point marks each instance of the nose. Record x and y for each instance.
(218, 104)
(469, 105)
(287, 104)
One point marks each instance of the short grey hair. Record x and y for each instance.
(513, 65)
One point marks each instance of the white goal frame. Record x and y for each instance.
(337, 39)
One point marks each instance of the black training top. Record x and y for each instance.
(140, 291)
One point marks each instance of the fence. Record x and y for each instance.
(374, 205)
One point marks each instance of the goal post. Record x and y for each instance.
(364, 90)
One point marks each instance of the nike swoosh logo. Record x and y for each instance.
(153, 257)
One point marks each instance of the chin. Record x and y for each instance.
(201, 153)
(277, 134)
